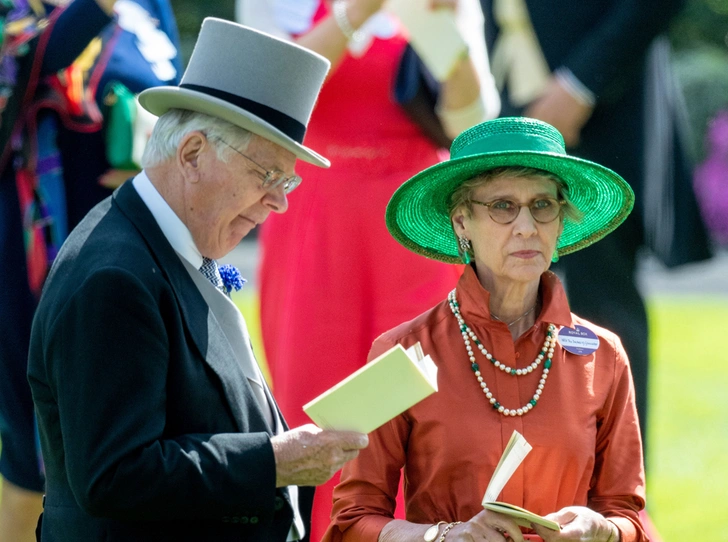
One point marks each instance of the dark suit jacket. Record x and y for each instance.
(149, 428)
(605, 43)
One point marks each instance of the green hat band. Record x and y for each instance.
(510, 142)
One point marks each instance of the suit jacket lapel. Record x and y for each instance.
(227, 330)
(210, 340)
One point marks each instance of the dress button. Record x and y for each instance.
(518, 355)
(277, 503)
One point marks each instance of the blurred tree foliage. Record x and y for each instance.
(700, 39)
(702, 22)
(189, 15)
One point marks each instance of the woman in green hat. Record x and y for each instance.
(510, 354)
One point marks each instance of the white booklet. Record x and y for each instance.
(434, 34)
(376, 393)
(514, 454)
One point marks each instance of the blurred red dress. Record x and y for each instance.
(331, 277)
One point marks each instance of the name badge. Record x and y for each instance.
(581, 340)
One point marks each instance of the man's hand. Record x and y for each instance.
(561, 110)
(579, 523)
(107, 6)
(309, 456)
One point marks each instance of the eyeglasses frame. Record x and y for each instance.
(561, 203)
(269, 175)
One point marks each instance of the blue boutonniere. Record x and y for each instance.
(231, 279)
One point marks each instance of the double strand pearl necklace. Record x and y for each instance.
(546, 352)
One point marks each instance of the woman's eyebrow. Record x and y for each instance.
(512, 197)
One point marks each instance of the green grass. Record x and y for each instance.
(687, 484)
(247, 302)
(688, 435)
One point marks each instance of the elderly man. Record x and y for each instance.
(155, 421)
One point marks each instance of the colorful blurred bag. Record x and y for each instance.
(128, 127)
(711, 179)
(119, 124)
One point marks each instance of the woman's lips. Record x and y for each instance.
(525, 254)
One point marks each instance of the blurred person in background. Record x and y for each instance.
(595, 71)
(54, 141)
(140, 51)
(331, 278)
(38, 41)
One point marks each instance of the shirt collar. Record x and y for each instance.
(474, 300)
(172, 227)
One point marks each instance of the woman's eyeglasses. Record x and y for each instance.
(273, 178)
(504, 211)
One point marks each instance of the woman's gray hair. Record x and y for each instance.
(463, 194)
(173, 125)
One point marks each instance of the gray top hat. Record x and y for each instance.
(251, 79)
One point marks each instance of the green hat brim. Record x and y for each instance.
(418, 213)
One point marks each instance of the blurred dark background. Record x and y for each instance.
(699, 36)
(189, 14)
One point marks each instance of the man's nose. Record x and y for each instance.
(276, 200)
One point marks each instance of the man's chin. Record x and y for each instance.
(239, 234)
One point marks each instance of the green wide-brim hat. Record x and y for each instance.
(418, 214)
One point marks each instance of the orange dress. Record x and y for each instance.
(584, 431)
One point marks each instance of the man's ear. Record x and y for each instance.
(189, 151)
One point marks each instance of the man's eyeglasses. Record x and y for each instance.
(273, 178)
(543, 210)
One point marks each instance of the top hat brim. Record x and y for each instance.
(418, 214)
(159, 100)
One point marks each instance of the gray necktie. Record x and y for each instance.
(209, 269)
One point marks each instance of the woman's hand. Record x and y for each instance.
(358, 11)
(449, 4)
(486, 526)
(579, 523)
(327, 38)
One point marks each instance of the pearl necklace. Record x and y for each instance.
(546, 352)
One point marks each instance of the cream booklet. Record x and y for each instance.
(516, 450)
(376, 393)
(433, 33)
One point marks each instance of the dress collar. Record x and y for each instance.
(474, 300)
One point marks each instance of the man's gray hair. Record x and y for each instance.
(173, 125)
